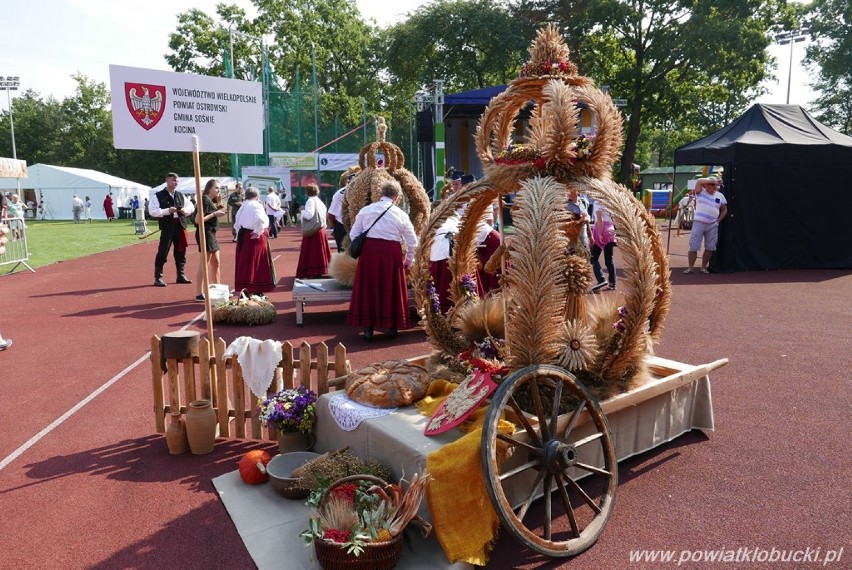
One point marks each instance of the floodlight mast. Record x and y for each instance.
(11, 83)
(791, 37)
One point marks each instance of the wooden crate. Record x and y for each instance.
(220, 380)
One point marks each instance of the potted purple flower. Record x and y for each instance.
(292, 413)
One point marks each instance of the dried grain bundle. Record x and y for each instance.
(561, 112)
(496, 126)
(579, 346)
(547, 48)
(336, 513)
(535, 279)
(607, 141)
(250, 312)
(618, 365)
(325, 469)
(342, 268)
(602, 311)
(442, 336)
(359, 193)
(577, 274)
(418, 201)
(482, 318)
(439, 365)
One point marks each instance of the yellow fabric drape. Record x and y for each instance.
(465, 522)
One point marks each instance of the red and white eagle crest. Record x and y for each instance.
(145, 102)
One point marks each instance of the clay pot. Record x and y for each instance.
(176, 435)
(288, 442)
(201, 427)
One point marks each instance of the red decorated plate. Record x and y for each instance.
(461, 403)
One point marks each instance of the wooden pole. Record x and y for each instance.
(202, 242)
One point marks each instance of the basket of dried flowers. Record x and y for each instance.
(358, 521)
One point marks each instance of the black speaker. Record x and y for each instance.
(425, 127)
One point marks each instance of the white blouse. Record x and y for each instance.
(251, 216)
(311, 206)
(394, 226)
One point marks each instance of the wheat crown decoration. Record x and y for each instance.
(570, 143)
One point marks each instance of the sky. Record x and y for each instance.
(45, 42)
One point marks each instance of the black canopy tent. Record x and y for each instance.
(788, 182)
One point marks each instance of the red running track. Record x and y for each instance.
(86, 483)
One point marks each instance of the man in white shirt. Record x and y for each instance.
(710, 209)
(172, 210)
(335, 214)
(273, 210)
(76, 208)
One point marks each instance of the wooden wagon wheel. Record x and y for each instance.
(548, 455)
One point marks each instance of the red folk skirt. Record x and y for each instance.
(314, 255)
(485, 281)
(380, 292)
(254, 270)
(442, 278)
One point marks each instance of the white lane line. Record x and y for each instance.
(58, 421)
(37, 437)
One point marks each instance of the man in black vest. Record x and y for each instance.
(171, 209)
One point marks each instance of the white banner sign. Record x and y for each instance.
(161, 110)
(337, 161)
(294, 160)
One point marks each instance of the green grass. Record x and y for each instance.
(54, 241)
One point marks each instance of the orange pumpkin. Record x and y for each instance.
(253, 467)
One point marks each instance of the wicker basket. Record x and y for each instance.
(376, 555)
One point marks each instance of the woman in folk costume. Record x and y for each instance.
(487, 242)
(439, 259)
(110, 213)
(254, 270)
(380, 293)
(211, 209)
(315, 253)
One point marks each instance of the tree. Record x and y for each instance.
(830, 25)
(470, 44)
(700, 60)
(39, 126)
(87, 135)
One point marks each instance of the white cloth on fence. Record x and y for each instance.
(258, 360)
(348, 413)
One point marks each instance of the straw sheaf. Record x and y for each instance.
(536, 280)
(342, 268)
(627, 351)
(481, 318)
(560, 113)
(494, 132)
(418, 201)
(360, 192)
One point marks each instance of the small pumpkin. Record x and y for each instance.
(253, 467)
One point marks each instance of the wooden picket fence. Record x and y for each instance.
(220, 380)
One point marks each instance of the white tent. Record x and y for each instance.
(57, 185)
